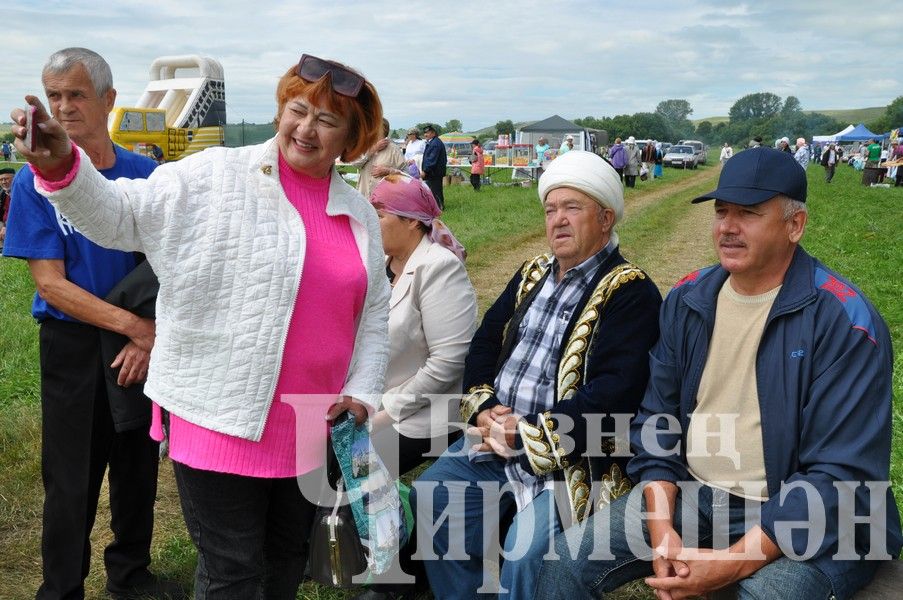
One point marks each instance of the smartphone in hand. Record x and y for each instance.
(31, 128)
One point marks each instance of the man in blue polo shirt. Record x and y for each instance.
(79, 436)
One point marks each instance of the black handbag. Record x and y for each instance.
(336, 552)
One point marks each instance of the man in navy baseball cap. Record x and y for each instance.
(776, 372)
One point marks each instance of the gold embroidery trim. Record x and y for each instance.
(572, 371)
(472, 400)
(569, 370)
(542, 455)
(614, 485)
(577, 482)
(530, 274)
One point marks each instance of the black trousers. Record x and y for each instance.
(475, 181)
(78, 443)
(251, 533)
(435, 185)
(630, 180)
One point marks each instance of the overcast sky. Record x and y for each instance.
(488, 60)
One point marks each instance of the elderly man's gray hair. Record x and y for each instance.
(62, 61)
(791, 207)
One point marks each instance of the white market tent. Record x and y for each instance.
(833, 138)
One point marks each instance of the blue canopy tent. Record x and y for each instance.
(860, 133)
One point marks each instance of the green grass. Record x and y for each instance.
(855, 230)
(18, 343)
(494, 215)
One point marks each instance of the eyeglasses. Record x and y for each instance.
(344, 82)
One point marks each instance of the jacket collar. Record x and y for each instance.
(343, 199)
(798, 288)
(407, 276)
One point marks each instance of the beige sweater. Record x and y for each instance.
(724, 441)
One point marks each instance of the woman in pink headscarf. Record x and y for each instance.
(432, 317)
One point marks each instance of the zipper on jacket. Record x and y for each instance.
(288, 319)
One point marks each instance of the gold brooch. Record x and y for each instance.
(266, 169)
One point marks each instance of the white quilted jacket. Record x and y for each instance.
(228, 249)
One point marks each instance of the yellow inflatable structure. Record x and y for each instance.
(182, 110)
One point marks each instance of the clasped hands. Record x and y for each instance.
(496, 427)
(683, 572)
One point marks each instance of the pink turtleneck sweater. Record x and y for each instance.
(315, 358)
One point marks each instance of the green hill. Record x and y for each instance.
(712, 120)
(852, 116)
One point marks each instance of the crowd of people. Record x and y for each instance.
(236, 302)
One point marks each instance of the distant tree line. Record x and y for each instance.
(669, 122)
(892, 117)
(761, 114)
(766, 115)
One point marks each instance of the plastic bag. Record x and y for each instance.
(379, 512)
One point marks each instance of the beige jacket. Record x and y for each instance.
(432, 317)
(390, 156)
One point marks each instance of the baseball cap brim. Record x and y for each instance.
(738, 195)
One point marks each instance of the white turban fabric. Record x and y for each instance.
(588, 173)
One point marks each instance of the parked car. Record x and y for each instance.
(699, 148)
(682, 156)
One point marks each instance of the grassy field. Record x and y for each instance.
(852, 229)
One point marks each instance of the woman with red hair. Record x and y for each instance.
(271, 315)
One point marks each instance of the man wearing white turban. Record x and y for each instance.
(564, 347)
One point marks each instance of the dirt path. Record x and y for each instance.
(684, 248)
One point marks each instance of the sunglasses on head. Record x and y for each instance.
(344, 82)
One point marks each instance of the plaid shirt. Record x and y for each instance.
(528, 378)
